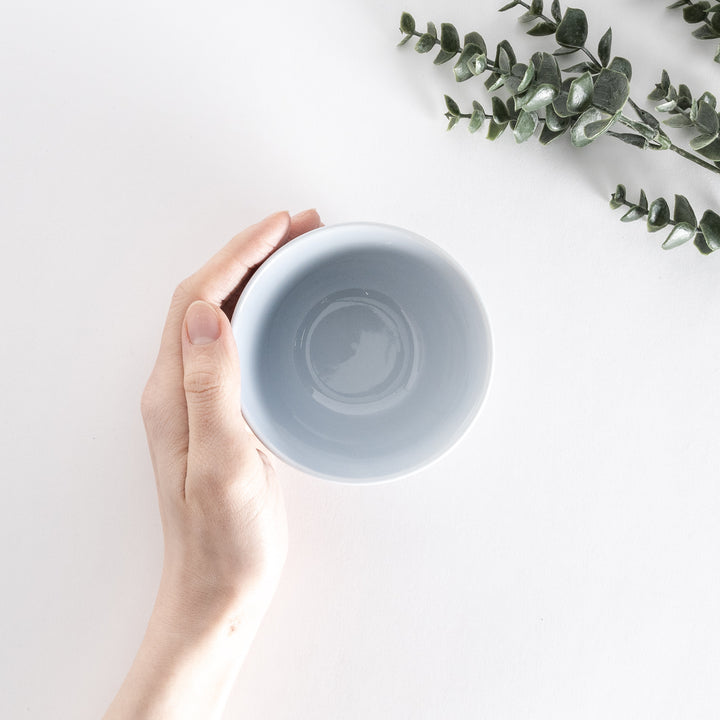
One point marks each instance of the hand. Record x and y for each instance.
(221, 505)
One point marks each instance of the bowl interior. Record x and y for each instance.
(365, 352)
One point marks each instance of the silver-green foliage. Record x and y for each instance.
(702, 12)
(585, 100)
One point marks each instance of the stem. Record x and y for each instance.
(683, 153)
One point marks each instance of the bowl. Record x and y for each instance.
(365, 352)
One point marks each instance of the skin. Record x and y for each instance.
(221, 506)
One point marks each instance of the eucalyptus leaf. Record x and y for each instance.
(643, 202)
(555, 11)
(509, 6)
(591, 124)
(504, 61)
(637, 141)
(658, 215)
(452, 122)
(681, 233)
(505, 45)
(705, 33)
(604, 47)
(431, 30)
(407, 23)
(611, 91)
(549, 73)
(443, 56)
(617, 199)
(537, 97)
(477, 63)
(525, 125)
(580, 67)
(547, 135)
(452, 106)
(499, 111)
(644, 115)
(573, 29)
(621, 65)
(462, 69)
(708, 98)
(683, 211)
(581, 92)
(710, 226)
(702, 141)
(476, 119)
(553, 121)
(536, 7)
(495, 130)
(707, 119)
(425, 44)
(449, 38)
(565, 51)
(474, 38)
(528, 77)
(634, 213)
(542, 29)
(695, 13)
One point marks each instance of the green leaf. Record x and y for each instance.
(452, 106)
(708, 98)
(537, 97)
(637, 141)
(525, 125)
(658, 215)
(452, 121)
(536, 7)
(553, 121)
(643, 202)
(591, 124)
(573, 29)
(677, 4)
(565, 51)
(711, 151)
(680, 234)
(580, 93)
(710, 226)
(474, 38)
(683, 211)
(701, 245)
(617, 199)
(604, 47)
(702, 141)
(477, 118)
(611, 91)
(431, 29)
(425, 44)
(527, 78)
(505, 45)
(542, 29)
(504, 61)
(407, 23)
(443, 57)
(705, 33)
(495, 130)
(477, 63)
(499, 111)
(406, 38)
(581, 67)
(547, 135)
(707, 119)
(694, 13)
(509, 6)
(548, 73)
(644, 115)
(449, 38)
(462, 69)
(621, 65)
(555, 11)
(634, 213)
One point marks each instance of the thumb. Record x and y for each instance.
(217, 432)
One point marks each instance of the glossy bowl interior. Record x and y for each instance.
(365, 352)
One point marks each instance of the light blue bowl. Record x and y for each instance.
(365, 352)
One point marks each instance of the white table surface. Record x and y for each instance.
(561, 562)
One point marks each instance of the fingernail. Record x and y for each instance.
(202, 323)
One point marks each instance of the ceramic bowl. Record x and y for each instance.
(365, 352)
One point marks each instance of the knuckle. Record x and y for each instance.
(202, 384)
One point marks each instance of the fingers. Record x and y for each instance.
(227, 270)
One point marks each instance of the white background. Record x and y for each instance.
(561, 562)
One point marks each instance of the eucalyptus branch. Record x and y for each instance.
(586, 100)
(705, 13)
(705, 234)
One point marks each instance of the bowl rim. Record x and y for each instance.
(412, 238)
